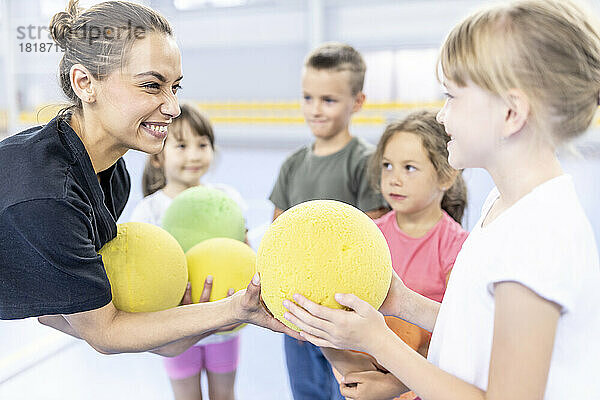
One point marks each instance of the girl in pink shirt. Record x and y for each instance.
(423, 231)
(427, 196)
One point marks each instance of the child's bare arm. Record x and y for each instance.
(409, 305)
(362, 376)
(524, 329)
(345, 361)
(372, 385)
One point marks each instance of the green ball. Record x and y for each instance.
(201, 213)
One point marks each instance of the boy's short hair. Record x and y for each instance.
(339, 57)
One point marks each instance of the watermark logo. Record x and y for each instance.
(36, 38)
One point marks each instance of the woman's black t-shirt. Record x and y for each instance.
(55, 215)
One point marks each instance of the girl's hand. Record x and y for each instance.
(206, 290)
(204, 297)
(248, 307)
(371, 385)
(358, 329)
(187, 295)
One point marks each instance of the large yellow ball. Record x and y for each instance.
(319, 248)
(230, 262)
(146, 268)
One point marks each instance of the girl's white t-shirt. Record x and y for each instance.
(544, 242)
(151, 210)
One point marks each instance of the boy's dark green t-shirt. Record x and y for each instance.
(339, 176)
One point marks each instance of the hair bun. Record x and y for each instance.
(61, 25)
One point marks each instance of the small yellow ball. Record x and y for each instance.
(230, 262)
(146, 268)
(319, 248)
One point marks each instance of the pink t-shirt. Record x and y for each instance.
(423, 263)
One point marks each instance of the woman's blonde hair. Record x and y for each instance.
(153, 178)
(434, 140)
(548, 49)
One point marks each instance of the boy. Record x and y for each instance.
(334, 167)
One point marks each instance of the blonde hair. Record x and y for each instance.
(548, 49)
(434, 139)
(153, 178)
(339, 57)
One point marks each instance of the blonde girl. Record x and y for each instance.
(519, 319)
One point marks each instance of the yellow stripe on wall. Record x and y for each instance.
(264, 113)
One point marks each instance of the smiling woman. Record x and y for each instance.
(142, 94)
(65, 184)
(97, 75)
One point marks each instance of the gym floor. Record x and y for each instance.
(37, 362)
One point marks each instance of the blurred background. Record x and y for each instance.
(242, 61)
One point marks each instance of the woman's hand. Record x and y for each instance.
(227, 328)
(248, 307)
(205, 297)
(357, 329)
(371, 385)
